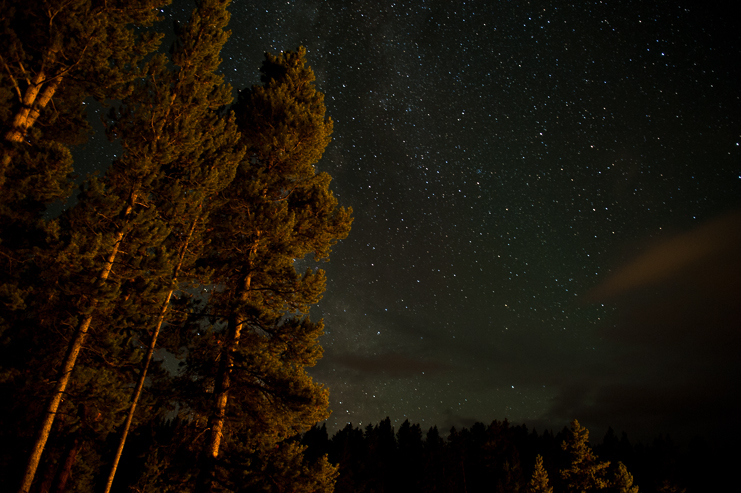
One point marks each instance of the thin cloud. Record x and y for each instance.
(716, 241)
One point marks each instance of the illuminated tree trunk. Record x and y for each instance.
(61, 43)
(277, 209)
(147, 359)
(216, 420)
(68, 365)
(207, 146)
(39, 92)
(32, 106)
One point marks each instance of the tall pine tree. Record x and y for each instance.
(59, 53)
(278, 210)
(55, 54)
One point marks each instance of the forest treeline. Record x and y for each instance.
(187, 243)
(505, 458)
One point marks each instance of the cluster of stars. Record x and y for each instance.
(501, 158)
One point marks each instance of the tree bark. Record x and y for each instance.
(204, 482)
(216, 421)
(31, 107)
(68, 365)
(147, 359)
(69, 461)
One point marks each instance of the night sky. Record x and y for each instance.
(547, 204)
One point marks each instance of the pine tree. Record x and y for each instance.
(271, 398)
(276, 211)
(434, 463)
(512, 479)
(107, 271)
(280, 467)
(59, 53)
(585, 472)
(539, 481)
(107, 218)
(316, 440)
(348, 451)
(408, 470)
(457, 452)
(95, 50)
(382, 459)
(622, 481)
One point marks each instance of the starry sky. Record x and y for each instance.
(547, 202)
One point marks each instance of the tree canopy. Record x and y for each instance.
(151, 256)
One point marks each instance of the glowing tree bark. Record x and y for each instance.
(60, 52)
(70, 358)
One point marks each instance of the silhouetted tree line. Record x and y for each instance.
(190, 242)
(501, 457)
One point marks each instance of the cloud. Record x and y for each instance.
(450, 419)
(683, 294)
(673, 363)
(715, 243)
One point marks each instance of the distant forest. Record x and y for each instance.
(495, 458)
(501, 457)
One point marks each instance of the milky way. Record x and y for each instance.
(510, 165)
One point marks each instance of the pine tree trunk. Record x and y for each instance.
(204, 482)
(147, 359)
(73, 350)
(68, 365)
(216, 421)
(69, 461)
(47, 478)
(31, 108)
